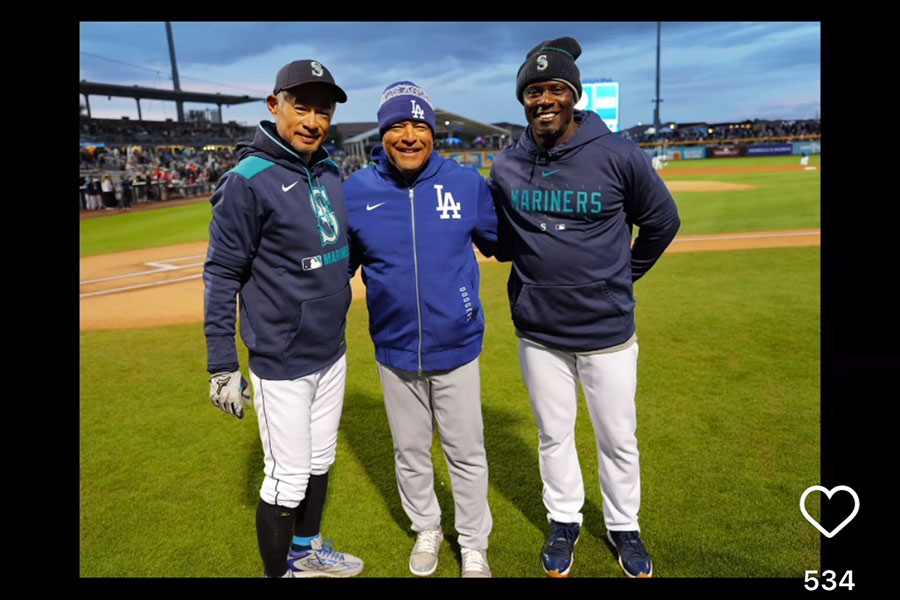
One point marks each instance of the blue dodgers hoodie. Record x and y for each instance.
(566, 217)
(278, 236)
(415, 247)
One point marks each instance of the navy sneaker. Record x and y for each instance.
(557, 555)
(633, 557)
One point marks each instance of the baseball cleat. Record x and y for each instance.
(423, 559)
(474, 563)
(558, 554)
(633, 557)
(321, 560)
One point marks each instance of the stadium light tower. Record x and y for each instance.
(179, 104)
(657, 100)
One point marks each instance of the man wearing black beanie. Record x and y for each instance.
(567, 195)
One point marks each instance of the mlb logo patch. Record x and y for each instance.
(312, 262)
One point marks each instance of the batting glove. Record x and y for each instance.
(229, 391)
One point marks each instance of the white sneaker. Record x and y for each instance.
(474, 563)
(424, 557)
(322, 561)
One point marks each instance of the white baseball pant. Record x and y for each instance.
(609, 381)
(413, 402)
(298, 426)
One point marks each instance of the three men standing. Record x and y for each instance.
(567, 196)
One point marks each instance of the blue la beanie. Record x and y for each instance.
(404, 101)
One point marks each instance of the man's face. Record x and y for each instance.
(303, 116)
(550, 110)
(408, 146)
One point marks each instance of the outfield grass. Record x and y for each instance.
(728, 405)
(146, 229)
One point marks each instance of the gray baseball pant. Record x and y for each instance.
(452, 398)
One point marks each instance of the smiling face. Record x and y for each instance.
(408, 146)
(303, 116)
(550, 110)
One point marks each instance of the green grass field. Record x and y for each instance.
(728, 426)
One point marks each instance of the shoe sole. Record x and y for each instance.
(423, 573)
(564, 574)
(624, 570)
(303, 574)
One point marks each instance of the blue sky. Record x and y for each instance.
(710, 71)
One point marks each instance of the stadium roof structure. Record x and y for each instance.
(461, 124)
(87, 88)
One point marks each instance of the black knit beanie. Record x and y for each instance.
(551, 60)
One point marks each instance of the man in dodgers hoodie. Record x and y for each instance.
(413, 217)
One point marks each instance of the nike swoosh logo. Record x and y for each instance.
(548, 173)
(285, 189)
(368, 207)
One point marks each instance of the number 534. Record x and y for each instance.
(812, 582)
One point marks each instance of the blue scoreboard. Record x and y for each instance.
(602, 97)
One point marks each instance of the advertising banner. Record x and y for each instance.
(814, 147)
(769, 149)
(693, 152)
(725, 151)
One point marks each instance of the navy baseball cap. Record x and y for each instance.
(300, 72)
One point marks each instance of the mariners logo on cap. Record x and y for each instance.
(316, 69)
(542, 62)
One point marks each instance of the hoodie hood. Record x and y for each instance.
(590, 127)
(269, 145)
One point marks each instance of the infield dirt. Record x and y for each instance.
(163, 285)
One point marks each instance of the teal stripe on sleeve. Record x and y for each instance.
(252, 166)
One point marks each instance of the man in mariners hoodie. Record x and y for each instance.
(567, 196)
(413, 218)
(278, 237)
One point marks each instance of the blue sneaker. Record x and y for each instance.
(633, 557)
(321, 560)
(557, 555)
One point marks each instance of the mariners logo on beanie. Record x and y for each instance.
(404, 101)
(551, 60)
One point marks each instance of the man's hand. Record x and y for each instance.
(229, 391)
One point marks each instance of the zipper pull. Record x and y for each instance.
(411, 194)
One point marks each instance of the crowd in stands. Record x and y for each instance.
(121, 131)
(126, 165)
(146, 173)
(746, 131)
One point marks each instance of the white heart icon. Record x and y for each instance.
(827, 492)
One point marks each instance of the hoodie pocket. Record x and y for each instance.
(555, 308)
(320, 326)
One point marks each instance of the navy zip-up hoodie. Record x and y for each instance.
(566, 217)
(278, 236)
(415, 247)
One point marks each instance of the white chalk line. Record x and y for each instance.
(141, 285)
(159, 267)
(165, 267)
(748, 236)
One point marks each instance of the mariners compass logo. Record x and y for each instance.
(542, 62)
(329, 230)
(316, 69)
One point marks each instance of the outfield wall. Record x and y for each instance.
(484, 159)
(735, 150)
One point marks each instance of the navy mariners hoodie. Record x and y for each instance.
(565, 220)
(278, 236)
(414, 243)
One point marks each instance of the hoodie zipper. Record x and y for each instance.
(412, 208)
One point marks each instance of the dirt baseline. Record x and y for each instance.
(164, 285)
